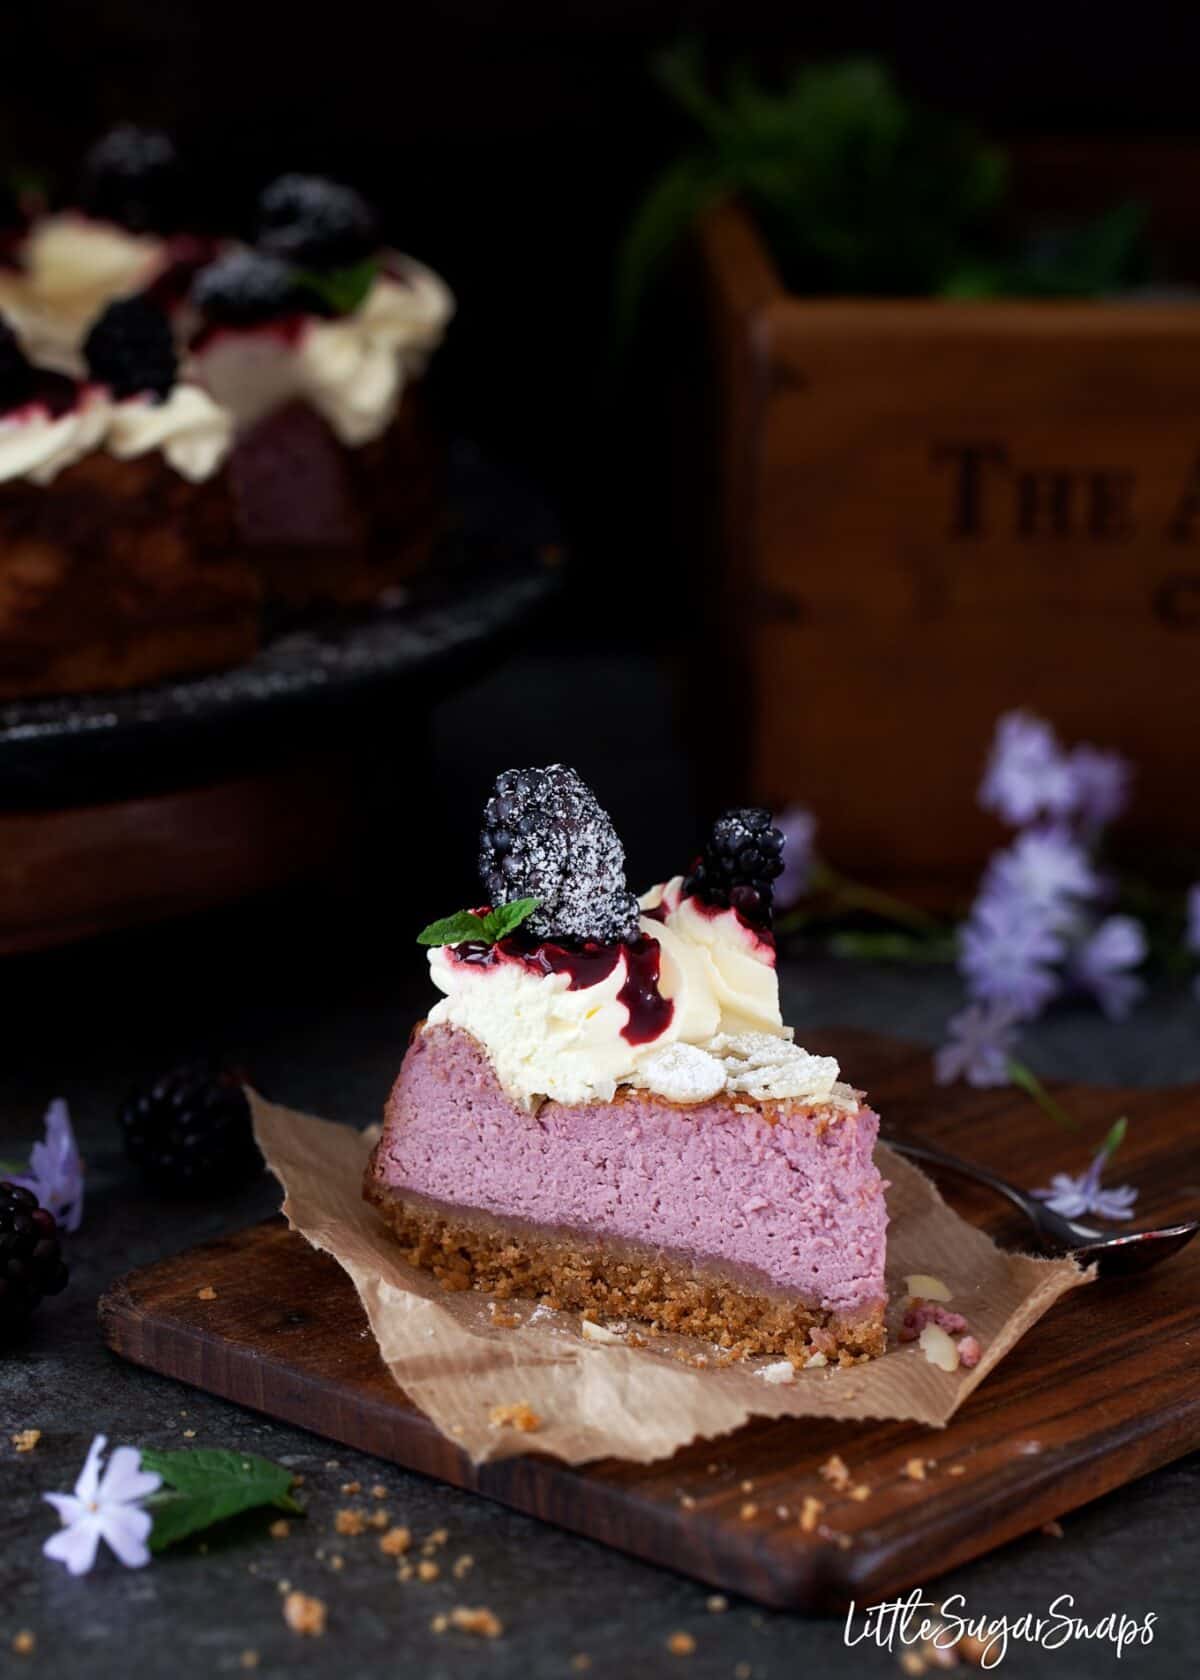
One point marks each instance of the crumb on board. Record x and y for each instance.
(427, 1571)
(189, 1434)
(280, 1529)
(517, 1414)
(860, 1491)
(248, 1659)
(747, 1486)
(810, 1513)
(748, 1511)
(462, 1566)
(680, 1644)
(716, 1603)
(687, 1502)
(483, 1623)
(379, 1491)
(395, 1542)
(914, 1469)
(957, 1470)
(503, 1316)
(836, 1472)
(24, 1643)
(351, 1488)
(380, 1518)
(208, 1293)
(26, 1439)
(349, 1520)
(304, 1615)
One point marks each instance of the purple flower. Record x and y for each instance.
(1100, 964)
(979, 1041)
(1006, 954)
(1027, 774)
(1101, 786)
(1074, 1195)
(1044, 869)
(798, 827)
(55, 1173)
(104, 1507)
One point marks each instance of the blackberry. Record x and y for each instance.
(131, 177)
(545, 836)
(31, 1262)
(191, 1130)
(743, 856)
(244, 289)
(316, 223)
(16, 373)
(130, 349)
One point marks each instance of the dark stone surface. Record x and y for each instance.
(319, 1027)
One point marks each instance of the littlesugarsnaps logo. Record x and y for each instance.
(899, 1623)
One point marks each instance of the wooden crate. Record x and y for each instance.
(931, 512)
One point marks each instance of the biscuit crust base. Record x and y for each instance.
(466, 1248)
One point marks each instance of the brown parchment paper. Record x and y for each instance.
(600, 1400)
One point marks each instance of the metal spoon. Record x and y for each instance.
(1114, 1254)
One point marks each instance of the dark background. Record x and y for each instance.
(508, 144)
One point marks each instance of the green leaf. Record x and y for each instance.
(208, 1485)
(1028, 1081)
(343, 289)
(453, 930)
(501, 921)
(1115, 1138)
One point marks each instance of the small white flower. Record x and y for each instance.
(104, 1507)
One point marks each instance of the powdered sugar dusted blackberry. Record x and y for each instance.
(546, 836)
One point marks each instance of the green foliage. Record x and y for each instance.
(858, 190)
(208, 1485)
(343, 289)
(465, 924)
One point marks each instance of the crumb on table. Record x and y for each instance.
(681, 1644)
(208, 1293)
(24, 1643)
(304, 1615)
(396, 1541)
(26, 1439)
(350, 1521)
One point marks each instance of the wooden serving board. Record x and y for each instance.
(1103, 1389)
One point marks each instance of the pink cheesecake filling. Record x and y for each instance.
(798, 1200)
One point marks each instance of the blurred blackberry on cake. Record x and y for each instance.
(739, 864)
(132, 177)
(130, 349)
(31, 1262)
(546, 836)
(191, 1130)
(250, 449)
(245, 288)
(316, 223)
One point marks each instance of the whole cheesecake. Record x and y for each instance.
(129, 552)
(606, 1113)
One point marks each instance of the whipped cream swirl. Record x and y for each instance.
(72, 267)
(36, 444)
(193, 433)
(551, 1038)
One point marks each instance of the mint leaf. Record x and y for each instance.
(343, 289)
(208, 1485)
(501, 921)
(452, 930)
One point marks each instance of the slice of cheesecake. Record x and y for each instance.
(621, 1123)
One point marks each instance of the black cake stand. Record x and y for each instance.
(120, 808)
